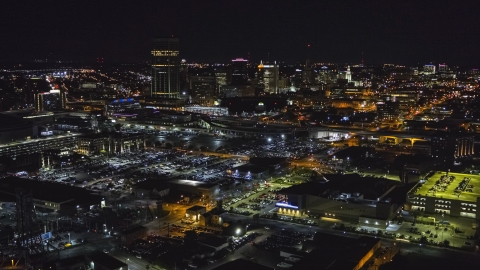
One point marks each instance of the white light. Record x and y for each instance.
(238, 231)
(269, 139)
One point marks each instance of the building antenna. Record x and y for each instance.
(362, 58)
(308, 51)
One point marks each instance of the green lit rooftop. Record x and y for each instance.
(449, 193)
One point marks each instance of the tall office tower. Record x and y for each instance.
(268, 75)
(222, 78)
(452, 147)
(348, 75)
(307, 74)
(165, 68)
(204, 89)
(239, 71)
(54, 100)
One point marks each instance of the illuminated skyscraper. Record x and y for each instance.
(348, 75)
(165, 68)
(268, 75)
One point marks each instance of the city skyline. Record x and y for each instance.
(213, 32)
(208, 134)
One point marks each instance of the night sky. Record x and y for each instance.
(406, 32)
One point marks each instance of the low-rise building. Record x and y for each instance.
(242, 264)
(194, 213)
(446, 194)
(328, 251)
(100, 261)
(196, 188)
(48, 196)
(367, 200)
(128, 236)
(110, 143)
(253, 171)
(217, 243)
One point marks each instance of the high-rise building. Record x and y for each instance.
(239, 71)
(222, 78)
(203, 89)
(307, 74)
(54, 100)
(348, 74)
(388, 110)
(165, 68)
(268, 76)
(452, 147)
(429, 69)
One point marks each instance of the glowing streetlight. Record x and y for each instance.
(238, 231)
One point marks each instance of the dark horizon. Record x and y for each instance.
(407, 33)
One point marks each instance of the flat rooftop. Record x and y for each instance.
(192, 183)
(47, 191)
(370, 187)
(196, 208)
(241, 264)
(53, 137)
(107, 261)
(334, 252)
(449, 192)
(253, 168)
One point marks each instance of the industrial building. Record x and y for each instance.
(197, 188)
(328, 251)
(48, 196)
(366, 200)
(13, 128)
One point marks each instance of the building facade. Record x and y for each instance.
(451, 148)
(165, 68)
(388, 110)
(204, 89)
(268, 76)
(54, 100)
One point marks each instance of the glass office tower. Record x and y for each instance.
(165, 68)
